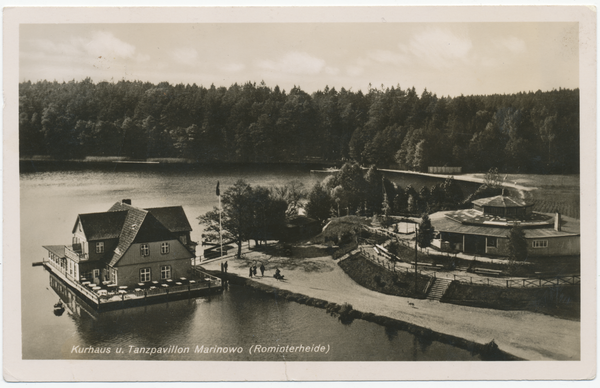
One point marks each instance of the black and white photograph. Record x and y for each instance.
(300, 188)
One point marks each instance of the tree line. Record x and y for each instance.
(260, 213)
(356, 191)
(534, 132)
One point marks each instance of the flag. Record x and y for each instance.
(218, 191)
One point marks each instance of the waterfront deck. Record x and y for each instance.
(107, 296)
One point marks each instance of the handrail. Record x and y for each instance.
(498, 282)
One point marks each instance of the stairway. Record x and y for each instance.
(438, 288)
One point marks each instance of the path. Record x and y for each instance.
(521, 333)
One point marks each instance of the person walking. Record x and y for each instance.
(225, 266)
(262, 269)
(222, 268)
(250, 271)
(254, 269)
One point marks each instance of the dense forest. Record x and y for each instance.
(525, 132)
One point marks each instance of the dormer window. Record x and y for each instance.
(144, 250)
(100, 247)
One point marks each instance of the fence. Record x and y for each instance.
(392, 267)
(519, 283)
(479, 280)
(73, 282)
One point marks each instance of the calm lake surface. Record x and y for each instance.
(52, 198)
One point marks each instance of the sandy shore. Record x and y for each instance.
(523, 334)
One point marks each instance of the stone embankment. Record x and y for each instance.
(346, 314)
(311, 273)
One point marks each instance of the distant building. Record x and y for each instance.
(484, 229)
(444, 170)
(127, 245)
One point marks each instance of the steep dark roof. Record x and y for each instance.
(173, 218)
(101, 226)
(152, 230)
(500, 201)
(148, 225)
(133, 222)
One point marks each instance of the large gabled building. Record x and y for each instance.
(127, 245)
(484, 229)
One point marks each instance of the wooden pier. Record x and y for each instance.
(134, 296)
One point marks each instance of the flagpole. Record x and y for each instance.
(220, 227)
(220, 222)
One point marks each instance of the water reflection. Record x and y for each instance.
(50, 201)
(239, 317)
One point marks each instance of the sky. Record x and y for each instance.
(448, 59)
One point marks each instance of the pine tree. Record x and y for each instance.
(425, 234)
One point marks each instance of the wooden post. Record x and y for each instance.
(416, 243)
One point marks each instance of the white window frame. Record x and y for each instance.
(165, 272)
(113, 275)
(145, 275)
(539, 244)
(144, 250)
(164, 248)
(100, 247)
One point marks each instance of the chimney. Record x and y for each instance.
(557, 222)
(126, 201)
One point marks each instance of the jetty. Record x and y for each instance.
(106, 296)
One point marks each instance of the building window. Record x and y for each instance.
(492, 242)
(113, 276)
(100, 247)
(164, 248)
(144, 250)
(165, 272)
(540, 243)
(145, 275)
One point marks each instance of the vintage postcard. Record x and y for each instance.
(299, 194)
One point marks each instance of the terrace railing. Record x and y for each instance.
(520, 283)
(480, 280)
(75, 256)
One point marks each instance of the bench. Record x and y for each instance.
(491, 272)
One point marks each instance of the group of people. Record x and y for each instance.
(253, 270)
(224, 267)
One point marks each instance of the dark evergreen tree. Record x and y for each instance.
(425, 233)
(319, 203)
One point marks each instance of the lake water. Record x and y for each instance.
(51, 199)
